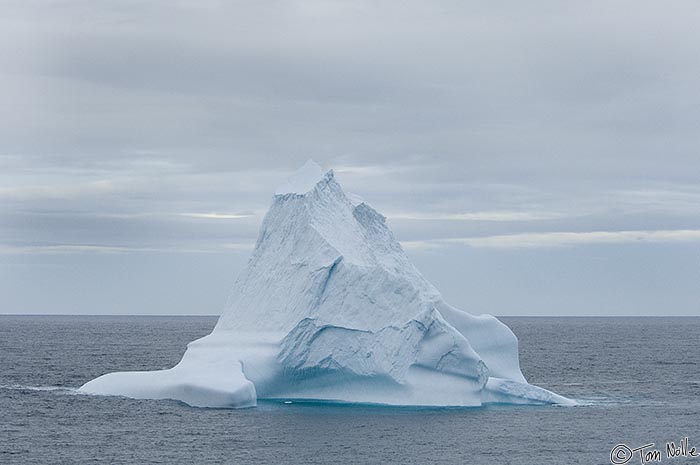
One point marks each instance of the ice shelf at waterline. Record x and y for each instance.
(330, 308)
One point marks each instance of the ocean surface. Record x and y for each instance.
(638, 380)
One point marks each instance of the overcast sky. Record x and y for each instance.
(534, 158)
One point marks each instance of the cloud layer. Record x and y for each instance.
(162, 128)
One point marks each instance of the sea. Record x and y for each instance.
(637, 381)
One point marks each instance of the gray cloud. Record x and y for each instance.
(565, 239)
(155, 128)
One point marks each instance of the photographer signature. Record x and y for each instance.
(622, 453)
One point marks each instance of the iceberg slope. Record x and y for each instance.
(330, 308)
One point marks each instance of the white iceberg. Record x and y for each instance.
(330, 308)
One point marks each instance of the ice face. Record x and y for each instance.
(329, 307)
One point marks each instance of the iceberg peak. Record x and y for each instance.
(302, 180)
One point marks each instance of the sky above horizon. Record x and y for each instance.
(533, 158)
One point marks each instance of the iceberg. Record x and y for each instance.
(329, 308)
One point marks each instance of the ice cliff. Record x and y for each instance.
(329, 307)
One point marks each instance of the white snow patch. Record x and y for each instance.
(303, 180)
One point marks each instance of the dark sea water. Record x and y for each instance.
(639, 379)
